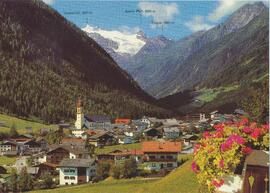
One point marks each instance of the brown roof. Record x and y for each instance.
(258, 158)
(74, 140)
(155, 146)
(76, 162)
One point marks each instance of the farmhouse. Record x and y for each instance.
(160, 155)
(76, 171)
(102, 139)
(8, 147)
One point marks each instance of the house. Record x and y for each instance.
(151, 132)
(47, 167)
(119, 156)
(150, 121)
(160, 155)
(139, 125)
(190, 140)
(8, 147)
(76, 171)
(57, 154)
(29, 147)
(123, 121)
(102, 139)
(171, 132)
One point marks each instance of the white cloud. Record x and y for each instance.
(226, 7)
(49, 2)
(160, 12)
(197, 24)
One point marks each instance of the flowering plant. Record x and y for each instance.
(219, 152)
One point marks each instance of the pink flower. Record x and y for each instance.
(224, 147)
(206, 134)
(195, 167)
(236, 138)
(256, 133)
(247, 130)
(221, 163)
(217, 183)
(247, 150)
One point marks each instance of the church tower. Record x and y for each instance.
(80, 115)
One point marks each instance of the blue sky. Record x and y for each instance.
(174, 20)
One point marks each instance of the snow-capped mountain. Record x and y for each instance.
(128, 46)
(121, 42)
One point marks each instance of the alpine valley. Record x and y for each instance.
(208, 70)
(47, 63)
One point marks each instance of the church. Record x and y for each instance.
(81, 122)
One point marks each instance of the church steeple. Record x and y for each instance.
(80, 116)
(79, 106)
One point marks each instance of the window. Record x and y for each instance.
(152, 157)
(66, 177)
(66, 171)
(169, 165)
(72, 171)
(162, 157)
(169, 157)
(66, 183)
(72, 177)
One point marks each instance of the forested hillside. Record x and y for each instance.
(46, 63)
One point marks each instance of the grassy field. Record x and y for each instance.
(21, 124)
(108, 149)
(182, 180)
(207, 95)
(7, 160)
(107, 186)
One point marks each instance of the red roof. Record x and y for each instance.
(136, 152)
(155, 146)
(125, 121)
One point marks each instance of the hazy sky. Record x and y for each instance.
(173, 19)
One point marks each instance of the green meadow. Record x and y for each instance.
(21, 124)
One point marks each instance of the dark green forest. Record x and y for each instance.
(46, 63)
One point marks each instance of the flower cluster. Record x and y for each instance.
(219, 152)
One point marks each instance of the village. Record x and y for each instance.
(147, 147)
